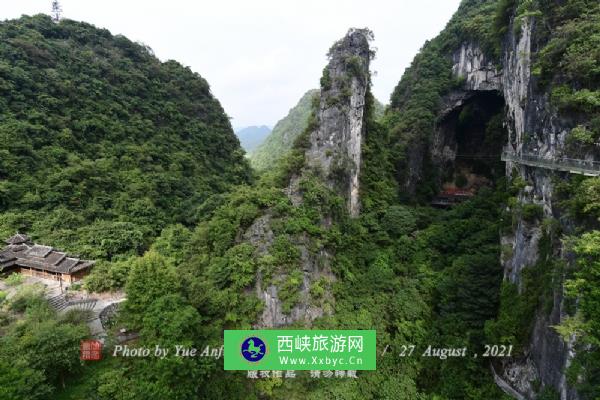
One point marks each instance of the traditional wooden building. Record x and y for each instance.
(22, 256)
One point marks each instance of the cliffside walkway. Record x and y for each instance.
(571, 165)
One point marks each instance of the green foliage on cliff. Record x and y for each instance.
(584, 287)
(415, 102)
(101, 144)
(569, 61)
(582, 200)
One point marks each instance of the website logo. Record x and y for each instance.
(289, 349)
(253, 349)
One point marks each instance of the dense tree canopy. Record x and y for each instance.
(101, 144)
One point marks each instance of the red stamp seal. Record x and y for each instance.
(90, 350)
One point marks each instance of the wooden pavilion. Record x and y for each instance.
(23, 256)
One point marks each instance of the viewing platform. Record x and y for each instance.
(571, 165)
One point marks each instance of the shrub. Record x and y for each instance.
(289, 291)
(399, 220)
(532, 212)
(326, 80)
(14, 279)
(76, 316)
(27, 296)
(108, 276)
(585, 100)
(581, 135)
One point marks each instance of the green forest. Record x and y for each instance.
(111, 154)
(97, 137)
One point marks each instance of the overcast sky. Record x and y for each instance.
(260, 56)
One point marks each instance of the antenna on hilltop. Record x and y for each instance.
(56, 11)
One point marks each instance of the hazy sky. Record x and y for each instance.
(260, 56)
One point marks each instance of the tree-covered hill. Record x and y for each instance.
(101, 144)
(282, 137)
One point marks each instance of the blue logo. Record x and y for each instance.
(253, 349)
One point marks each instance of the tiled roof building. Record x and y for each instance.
(21, 255)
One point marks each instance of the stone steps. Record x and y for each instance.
(59, 302)
(83, 305)
(94, 315)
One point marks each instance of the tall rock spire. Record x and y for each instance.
(335, 145)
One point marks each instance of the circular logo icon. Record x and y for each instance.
(253, 349)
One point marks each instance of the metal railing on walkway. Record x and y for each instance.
(572, 165)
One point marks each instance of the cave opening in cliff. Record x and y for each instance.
(478, 135)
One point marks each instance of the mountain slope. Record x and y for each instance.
(101, 144)
(252, 136)
(281, 139)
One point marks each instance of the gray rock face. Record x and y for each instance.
(335, 154)
(479, 73)
(306, 309)
(532, 122)
(533, 126)
(516, 79)
(525, 238)
(516, 379)
(336, 143)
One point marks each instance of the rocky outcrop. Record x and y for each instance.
(261, 236)
(516, 79)
(306, 308)
(333, 155)
(335, 146)
(478, 74)
(533, 126)
(477, 70)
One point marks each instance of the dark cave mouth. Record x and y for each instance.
(476, 132)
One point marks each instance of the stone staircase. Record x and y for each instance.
(83, 305)
(59, 302)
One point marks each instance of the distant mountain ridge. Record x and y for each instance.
(252, 136)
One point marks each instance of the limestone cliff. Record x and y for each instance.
(333, 156)
(335, 146)
(533, 125)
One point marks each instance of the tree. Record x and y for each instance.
(152, 276)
